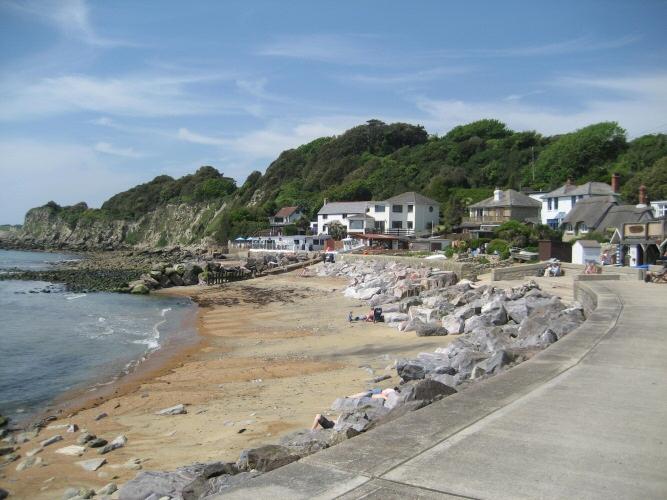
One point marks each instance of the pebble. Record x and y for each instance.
(33, 452)
(28, 462)
(72, 450)
(51, 440)
(97, 443)
(92, 464)
(109, 489)
(173, 410)
(85, 437)
(101, 416)
(118, 442)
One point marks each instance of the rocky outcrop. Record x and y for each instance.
(168, 225)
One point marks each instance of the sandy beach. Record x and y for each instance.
(272, 353)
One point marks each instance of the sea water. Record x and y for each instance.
(59, 341)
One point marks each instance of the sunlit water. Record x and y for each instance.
(54, 342)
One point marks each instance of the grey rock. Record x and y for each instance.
(218, 485)
(410, 371)
(174, 410)
(307, 442)
(101, 416)
(85, 438)
(97, 443)
(476, 322)
(351, 404)
(454, 325)
(445, 378)
(202, 473)
(158, 483)
(51, 440)
(266, 458)
(93, 464)
(405, 304)
(176, 279)
(467, 311)
(118, 442)
(108, 489)
(431, 330)
(425, 390)
(28, 462)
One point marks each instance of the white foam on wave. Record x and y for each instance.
(74, 297)
(101, 319)
(165, 311)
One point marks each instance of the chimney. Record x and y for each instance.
(325, 201)
(643, 199)
(615, 182)
(568, 182)
(496, 194)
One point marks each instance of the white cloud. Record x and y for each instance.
(640, 107)
(574, 45)
(343, 49)
(406, 78)
(70, 17)
(107, 148)
(185, 135)
(145, 95)
(34, 172)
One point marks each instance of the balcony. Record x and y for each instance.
(486, 219)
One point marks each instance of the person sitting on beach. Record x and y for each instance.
(374, 393)
(590, 268)
(322, 422)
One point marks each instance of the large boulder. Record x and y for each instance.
(494, 310)
(431, 330)
(139, 289)
(476, 322)
(307, 442)
(266, 458)
(425, 390)
(176, 279)
(191, 274)
(410, 371)
(351, 404)
(453, 324)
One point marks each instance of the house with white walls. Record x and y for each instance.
(405, 214)
(503, 206)
(558, 203)
(659, 208)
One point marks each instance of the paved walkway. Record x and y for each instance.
(586, 418)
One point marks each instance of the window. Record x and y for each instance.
(409, 224)
(430, 209)
(325, 217)
(397, 224)
(397, 209)
(411, 208)
(296, 242)
(549, 203)
(278, 220)
(573, 199)
(583, 228)
(568, 228)
(344, 216)
(555, 203)
(379, 208)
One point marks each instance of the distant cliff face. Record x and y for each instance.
(168, 225)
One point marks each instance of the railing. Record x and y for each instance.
(485, 219)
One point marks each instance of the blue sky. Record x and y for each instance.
(96, 97)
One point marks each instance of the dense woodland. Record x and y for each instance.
(378, 160)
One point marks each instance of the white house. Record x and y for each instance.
(584, 251)
(558, 203)
(659, 208)
(405, 214)
(294, 243)
(285, 216)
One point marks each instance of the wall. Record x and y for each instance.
(527, 270)
(462, 270)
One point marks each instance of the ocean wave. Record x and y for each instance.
(74, 297)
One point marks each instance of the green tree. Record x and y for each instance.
(584, 153)
(337, 231)
(655, 180)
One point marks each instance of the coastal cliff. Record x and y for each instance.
(182, 224)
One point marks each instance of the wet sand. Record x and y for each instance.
(273, 352)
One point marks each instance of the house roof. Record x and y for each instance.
(603, 212)
(590, 211)
(286, 211)
(622, 214)
(508, 198)
(590, 188)
(361, 217)
(344, 207)
(412, 197)
(588, 243)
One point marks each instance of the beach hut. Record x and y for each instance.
(584, 251)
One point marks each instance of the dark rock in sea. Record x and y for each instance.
(266, 458)
(3, 494)
(3, 421)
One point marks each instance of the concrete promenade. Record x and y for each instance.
(586, 418)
